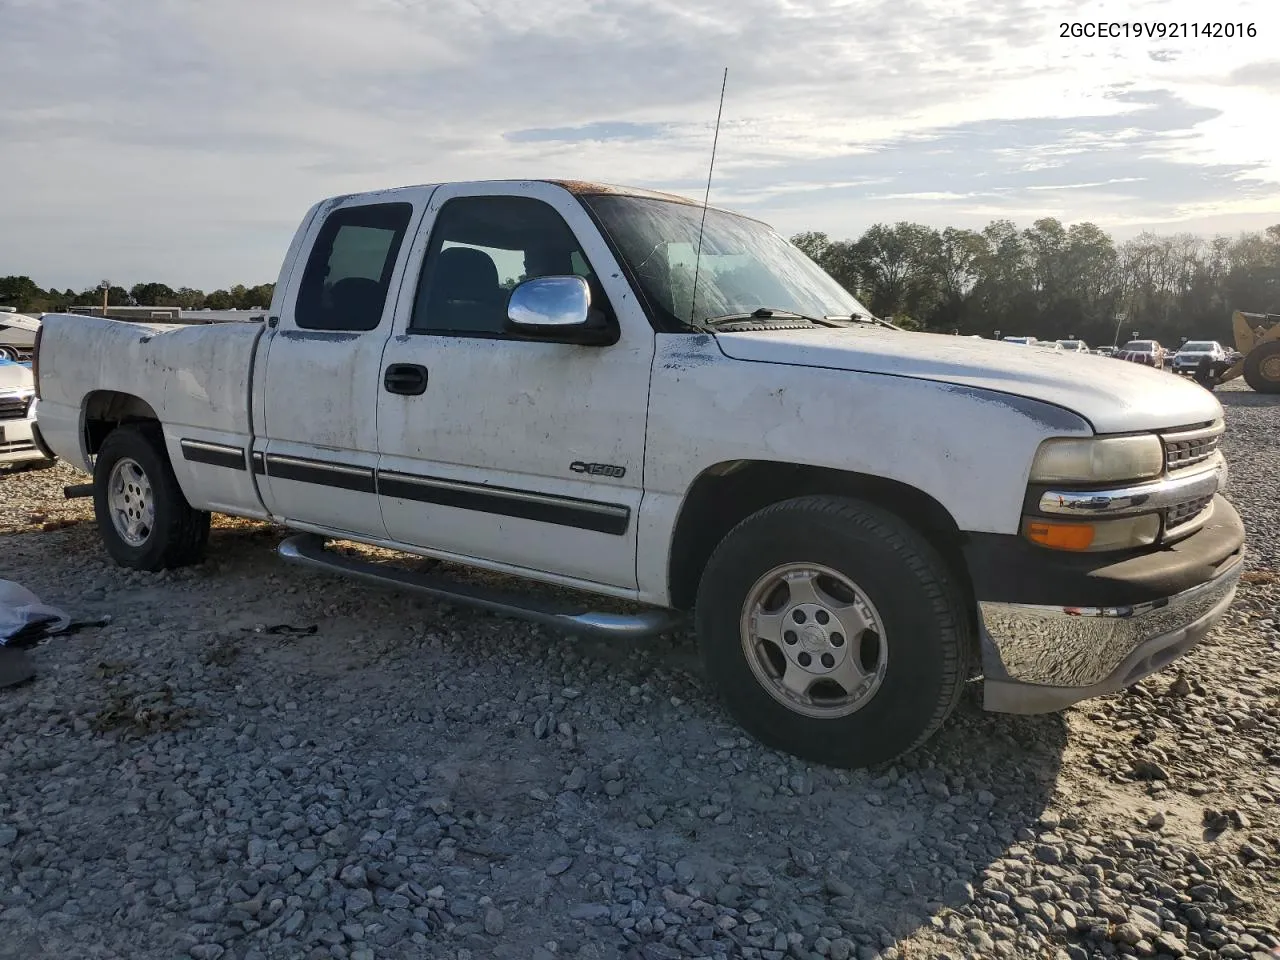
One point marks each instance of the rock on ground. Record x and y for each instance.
(412, 779)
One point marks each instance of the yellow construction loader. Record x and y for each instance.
(1258, 338)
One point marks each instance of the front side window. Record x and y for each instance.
(345, 283)
(480, 249)
(743, 264)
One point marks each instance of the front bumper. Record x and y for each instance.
(17, 445)
(1057, 628)
(1038, 659)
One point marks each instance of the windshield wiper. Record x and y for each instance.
(767, 313)
(865, 318)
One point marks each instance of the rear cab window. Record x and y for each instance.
(348, 273)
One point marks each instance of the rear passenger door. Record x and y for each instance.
(319, 387)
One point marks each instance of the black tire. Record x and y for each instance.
(928, 635)
(1261, 368)
(179, 533)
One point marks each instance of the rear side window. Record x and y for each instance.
(344, 286)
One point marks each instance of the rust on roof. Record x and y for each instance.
(580, 187)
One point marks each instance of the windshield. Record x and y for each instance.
(1198, 346)
(744, 264)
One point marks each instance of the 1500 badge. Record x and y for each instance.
(598, 469)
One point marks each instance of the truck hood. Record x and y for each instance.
(1113, 395)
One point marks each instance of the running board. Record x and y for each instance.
(307, 549)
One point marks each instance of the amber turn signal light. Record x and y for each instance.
(1060, 536)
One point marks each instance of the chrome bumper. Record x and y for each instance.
(17, 445)
(1038, 659)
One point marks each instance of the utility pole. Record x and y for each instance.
(105, 287)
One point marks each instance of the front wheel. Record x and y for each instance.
(834, 631)
(143, 517)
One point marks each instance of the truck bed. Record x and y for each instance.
(195, 380)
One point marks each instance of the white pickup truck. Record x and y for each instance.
(573, 383)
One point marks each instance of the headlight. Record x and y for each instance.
(1098, 459)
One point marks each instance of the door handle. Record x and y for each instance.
(409, 379)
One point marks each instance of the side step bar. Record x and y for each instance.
(307, 550)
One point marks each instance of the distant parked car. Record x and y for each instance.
(1147, 352)
(17, 335)
(1074, 346)
(1048, 345)
(1104, 351)
(1021, 341)
(1192, 352)
(17, 414)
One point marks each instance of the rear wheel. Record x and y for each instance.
(143, 517)
(833, 630)
(1262, 368)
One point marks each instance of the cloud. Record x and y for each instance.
(1264, 74)
(179, 141)
(601, 130)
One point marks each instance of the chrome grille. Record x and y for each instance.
(1182, 513)
(1187, 448)
(14, 408)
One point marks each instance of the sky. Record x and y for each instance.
(181, 141)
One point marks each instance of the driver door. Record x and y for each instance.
(516, 452)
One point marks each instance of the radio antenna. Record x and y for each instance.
(706, 199)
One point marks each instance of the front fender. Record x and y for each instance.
(968, 448)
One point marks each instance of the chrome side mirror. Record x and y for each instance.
(550, 305)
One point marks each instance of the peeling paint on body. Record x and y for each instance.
(317, 336)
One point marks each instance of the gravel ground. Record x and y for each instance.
(396, 778)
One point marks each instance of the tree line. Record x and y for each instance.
(1054, 282)
(24, 294)
(1048, 281)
